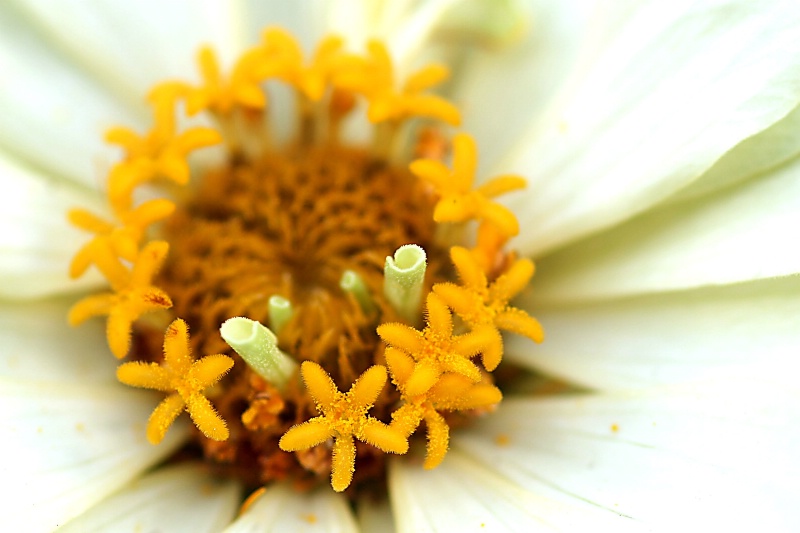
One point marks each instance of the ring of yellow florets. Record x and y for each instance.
(431, 369)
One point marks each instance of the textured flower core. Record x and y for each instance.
(299, 299)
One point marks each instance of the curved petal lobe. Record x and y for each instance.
(749, 329)
(677, 86)
(724, 455)
(177, 498)
(70, 447)
(281, 509)
(740, 234)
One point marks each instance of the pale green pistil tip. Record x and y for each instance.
(404, 275)
(353, 283)
(257, 345)
(280, 312)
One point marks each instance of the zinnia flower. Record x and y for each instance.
(659, 141)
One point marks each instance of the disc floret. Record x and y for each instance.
(451, 392)
(459, 202)
(133, 295)
(185, 379)
(295, 236)
(344, 418)
(435, 349)
(122, 237)
(161, 153)
(484, 304)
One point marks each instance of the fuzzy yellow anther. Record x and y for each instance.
(133, 293)
(344, 418)
(186, 379)
(459, 202)
(123, 238)
(161, 153)
(435, 349)
(374, 78)
(483, 304)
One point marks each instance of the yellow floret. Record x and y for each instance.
(459, 202)
(122, 238)
(133, 293)
(481, 304)
(344, 418)
(186, 378)
(435, 349)
(374, 78)
(221, 95)
(161, 153)
(284, 60)
(452, 392)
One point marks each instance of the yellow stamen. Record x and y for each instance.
(435, 349)
(133, 294)
(374, 78)
(123, 239)
(186, 378)
(481, 304)
(221, 96)
(459, 202)
(284, 60)
(161, 153)
(452, 392)
(344, 417)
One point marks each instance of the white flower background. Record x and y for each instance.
(661, 143)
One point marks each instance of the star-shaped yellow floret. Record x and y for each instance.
(344, 417)
(459, 202)
(374, 77)
(122, 237)
(186, 379)
(284, 60)
(132, 297)
(435, 349)
(452, 392)
(161, 153)
(483, 304)
(221, 95)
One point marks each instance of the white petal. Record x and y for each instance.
(740, 234)
(464, 495)
(66, 447)
(54, 116)
(359, 20)
(405, 27)
(408, 34)
(375, 515)
(177, 498)
(129, 46)
(497, 112)
(749, 329)
(37, 243)
(717, 458)
(304, 20)
(677, 87)
(281, 509)
(39, 345)
(757, 154)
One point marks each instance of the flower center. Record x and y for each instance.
(290, 224)
(313, 273)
